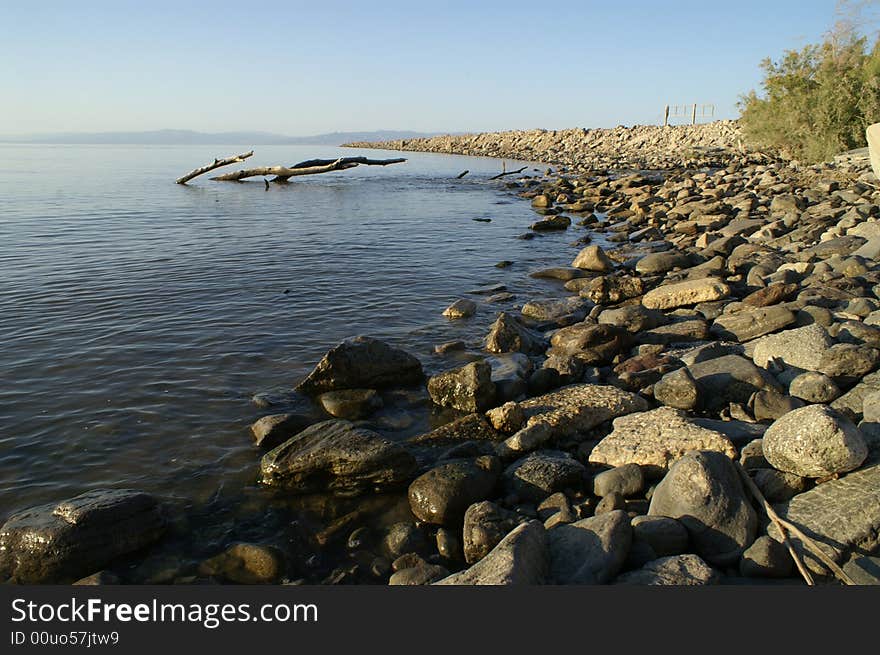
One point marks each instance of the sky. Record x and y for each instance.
(301, 68)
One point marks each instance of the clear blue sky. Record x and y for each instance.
(309, 67)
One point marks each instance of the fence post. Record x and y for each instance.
(666, 116)
(694, 117)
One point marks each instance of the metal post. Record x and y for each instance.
(666, 116)
(694, 117)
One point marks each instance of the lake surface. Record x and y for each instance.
(139, 317)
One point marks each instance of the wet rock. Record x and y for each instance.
(469, 388)
(402, 538)
(626, 480)
(520, 558)
(362, 363)
(703, 491)
(509, 335)
(508, 418)
(473, 427)
(245, 563)
(589, 551)
(269, 431)
(665, 535)
(563, 273)
(449, 346)
(593, 258)
(336, 456)
(813, 442)
(678, 570)
(581, 407)
(442, 495)
(60, 543)
(592, 343)
(814, 388)
(766, 558)
(485, 525)
(351, 404)
(556, 222)
(798, 348)
(748, 325)
(542, 473)
(655, 440)
(448, 544)
(421, 574)
(681, 294)
(573, 308)
(778, 486)
(462, 308)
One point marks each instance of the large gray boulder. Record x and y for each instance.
(362, 363)
(747, 325)
(469, 388)
(336, 456)
(518, 559)
(813, 442)
(800, 348)
(677, 570)
(589, 551)
(60, 543)
(703, 491)
(655, 440)
(842, 516)
(441, 495)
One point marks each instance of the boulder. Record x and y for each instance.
(634, 318)
(657, 263)
(420, 574)
(814, 387)
(473, 427)
(336, 456)
(570, 309)
(799, 348)
(509, 335)
(626, 480)
(813, 442)
(581, 407)
(485, 525)
(842, 516)
(508, 418)
(590, 342)
(63, 542)
(678, 570)
(441, 496)
(655, 440)
(612, 289)
(270, 431)
(729, 379)
(462, 308)
(593, 258)
(847, 360)
(682, 294)
(665, 535)
(469, 388)
(518, 559)
(678, 389)
(351, 404)
(539, 474)
(703, 491)
(245, 563)
(747, 325)
(362, 363)
(589, 551)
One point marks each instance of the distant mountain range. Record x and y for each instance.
(190, 137)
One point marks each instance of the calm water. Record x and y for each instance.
(138, 317)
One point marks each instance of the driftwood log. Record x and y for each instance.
(217, 163)
(505, 172)
(310, 167)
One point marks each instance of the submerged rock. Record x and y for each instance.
(461, 309)
(60, 543)
(336, 456)
(246, 563)
(351, 404)
(362, 363)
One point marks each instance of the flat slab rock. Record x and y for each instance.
(63, 542)
(842, 516)
(656, 439)
(681, 294)
(581, 407)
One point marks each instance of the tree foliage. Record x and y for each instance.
(817, 101)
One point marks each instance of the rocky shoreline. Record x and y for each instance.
(709, 325)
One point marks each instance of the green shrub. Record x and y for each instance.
(817, 101)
